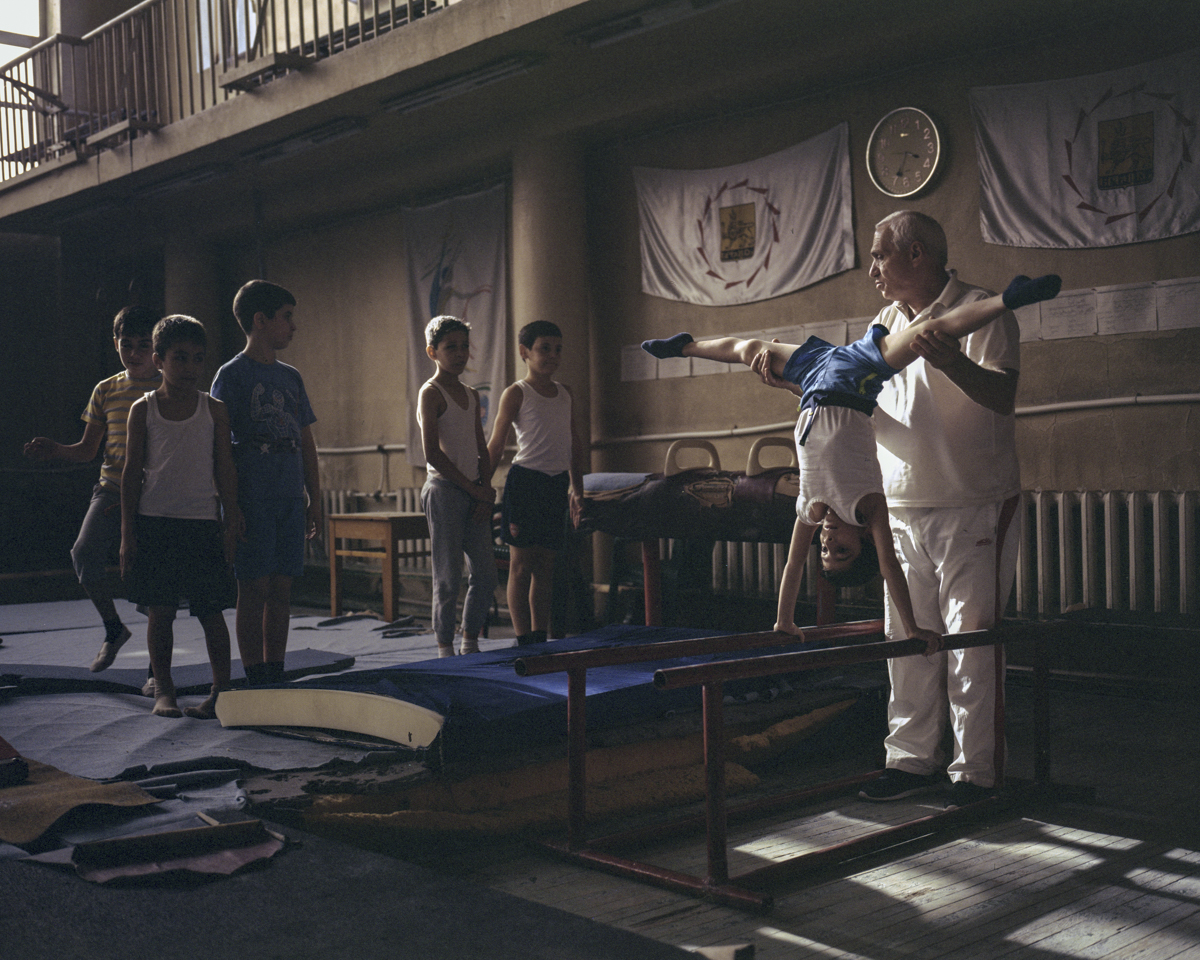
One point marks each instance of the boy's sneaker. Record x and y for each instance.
(895, 784)
(963, 793)
(108, 650)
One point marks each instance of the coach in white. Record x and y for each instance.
(946, 439)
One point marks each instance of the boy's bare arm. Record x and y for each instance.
(482, 455)
(82, 451)
(893, 576)
(131, 481)
(225, 475)
(793, 570)
(579, 465)
(510, 406)
(312, 481)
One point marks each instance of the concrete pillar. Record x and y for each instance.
(550, 268)
(549, 260)
(192, 286)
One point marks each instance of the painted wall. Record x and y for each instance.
(1142, 448)
(349, 284)
(349, 281)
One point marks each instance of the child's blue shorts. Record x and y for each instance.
(274, 544)
(533, 512)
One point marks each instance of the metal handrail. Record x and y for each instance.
(162, 61)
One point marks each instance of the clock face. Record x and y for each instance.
(903, 152)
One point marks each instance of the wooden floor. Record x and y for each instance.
(1017, 887)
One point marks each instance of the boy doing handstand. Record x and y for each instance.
(841, 485)
(178, 485)
(458, 495)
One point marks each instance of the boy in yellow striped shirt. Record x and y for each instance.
(105, 422)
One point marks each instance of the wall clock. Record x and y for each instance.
(903, 152)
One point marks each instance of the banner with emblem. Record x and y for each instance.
(456, 253)
(1092, 161)
(748, 232)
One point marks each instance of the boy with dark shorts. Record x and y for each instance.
(105, 419)
(177, 486)
(545, 477)
(276, 459)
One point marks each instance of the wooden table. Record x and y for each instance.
(390, 529)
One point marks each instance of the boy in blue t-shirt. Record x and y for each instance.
(276, 459)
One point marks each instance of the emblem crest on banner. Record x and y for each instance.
(1125, 152)
(737, 232)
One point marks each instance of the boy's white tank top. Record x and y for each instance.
(178, 479)
(543, 428)
(456, 434)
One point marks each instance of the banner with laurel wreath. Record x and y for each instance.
(456, 251)
(748, 232)
(1092, 161)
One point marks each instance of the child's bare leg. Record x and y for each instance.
(160, 639)
(216, 638)
(541, 590)
(263, 614)
(252, 599)
(735, 350)
(277, 616)
(530, 587)
(970, 317)
(721, 349)
(520, 574)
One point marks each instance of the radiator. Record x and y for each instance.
(1107, 550)
(1078, 550)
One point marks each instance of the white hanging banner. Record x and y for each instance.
(1092, 161)
(456, 252)
(748, 232)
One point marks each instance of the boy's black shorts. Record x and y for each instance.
(181, 560)
(533, 512)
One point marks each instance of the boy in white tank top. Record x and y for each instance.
(180, 520)
(546, 477)
(457, 497)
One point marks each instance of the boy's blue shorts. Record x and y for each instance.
(180, 559)
(533, 512)
(274, 544)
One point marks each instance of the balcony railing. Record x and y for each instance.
(165, 60)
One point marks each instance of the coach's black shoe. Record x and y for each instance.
(897, 784)
(963, 793)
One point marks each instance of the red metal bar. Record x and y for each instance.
(727, 894)
(652, 582)
(714, 782)
(671, 678)
(750, 810)
(718, 885)
(534, 666)
(576, 757)
(861, 846)
(1041, 713)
